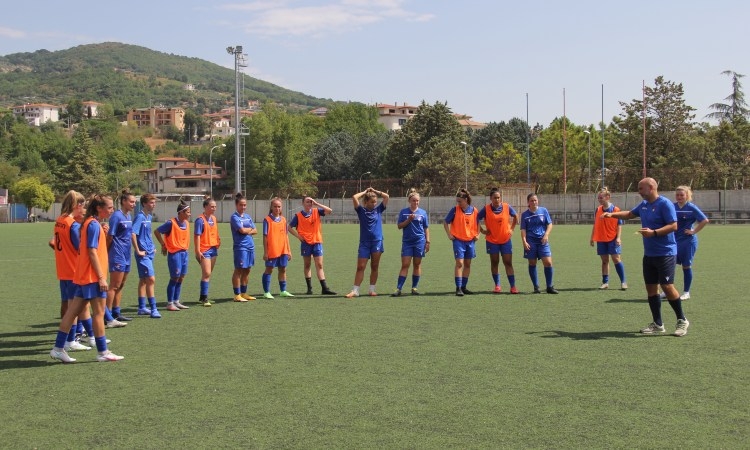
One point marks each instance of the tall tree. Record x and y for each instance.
(735, 106)
(84, 171)
(33, 193)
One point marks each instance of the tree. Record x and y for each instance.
(354, 118)
(73, 112)
(32, 193)
(736, 107)
(84, 171)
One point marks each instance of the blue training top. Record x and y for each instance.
(142, 232)
(535, 224)
(414, 232)
(687, 216)
(370, 223)
(241, 241)
(121, 230)
(656, 215)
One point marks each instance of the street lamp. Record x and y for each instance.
(466, 168)
(588, 135)
(360, 179)
(211, 166)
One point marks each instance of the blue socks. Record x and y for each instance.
(266, 282)
(548, 272)
(620, 268)
(688, 274)
(533, 276)
(512, 280)
(282, 285)
(204, 288)
(414, 281)
(400, 282)
(496, 278)
(170, 291)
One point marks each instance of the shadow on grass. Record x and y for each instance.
(6, 364)
(46, 325)
(627, 300)
(587, 336)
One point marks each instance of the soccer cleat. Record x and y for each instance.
(122, 318)
(685, 296)
(459, 292)
(108, 356)
(604, 286)
(268, 295)
(497, 290)
(373, 294)
(61, 355)
(653, 328)
(144, 312)
(247, 296)
(352, 294)
(466, 291)
(309, 292)
(180, 305)
(662, 295)
(114, 323)
(238, 298)
(207, 304)
(155, 314)
(536, 290)
(514, 290)
(396, 293)
(76, 347)
(92, 341)
(327, 291)
(172, 307)
(624, 286)
(552, 290)
(682, 326)
(414, 291)
(286, 294)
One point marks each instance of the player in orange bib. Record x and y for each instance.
(606, 233)
(306, 226)
(206, 243)
(174, 237)
(276, 252)
(500, 220)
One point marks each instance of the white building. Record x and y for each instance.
(38, 113)
(180, 176)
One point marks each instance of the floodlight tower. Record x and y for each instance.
(239, 61)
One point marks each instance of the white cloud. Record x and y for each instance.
(11, 33)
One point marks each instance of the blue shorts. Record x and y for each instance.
(281, 261)
(368, 248)
(537, 251)
(503, 249)
(464, 249)
(89, 291)
(608, 248)
(145, 266)
(686, 251)
(178, 264)
(119, 267)
(658, 269)
(413, 249)
(311, 249)
(212, 252)
(67, 290)
(243, 258)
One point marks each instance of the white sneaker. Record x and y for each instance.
(685, 296)
(61, 355)
(653, 328)
(75, 346)
(604, 286)
(108, 356)
(662, 295)
(682, 326)
(180, 305)
(624, 286)
(92, 341)
(114, 323)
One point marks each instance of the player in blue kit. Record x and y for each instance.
(536, 225)
(462, 227)
(370, 215)
(658, 222)
(500, 220)
(243, 247)
(415, 242)
(144, 251)
(119, 240)
(690, 221)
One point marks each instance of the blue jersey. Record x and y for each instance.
(294, 222)
(535, 224)
(75, 235)
(687, 216)
(241, 241)
(142, 232)
(414, 232)
(654, 216)
(483, 212)
(121, 230)
(370, 223)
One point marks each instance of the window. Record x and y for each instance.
(401, 122)
(186, 172)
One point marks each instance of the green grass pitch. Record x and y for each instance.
(434, 371)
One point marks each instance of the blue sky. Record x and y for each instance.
(482, 57)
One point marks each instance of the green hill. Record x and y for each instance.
(129, 76)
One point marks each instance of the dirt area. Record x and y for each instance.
(154, 142)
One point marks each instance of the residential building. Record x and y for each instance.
(469, 124)
(180, 176)
(38, 113)
(393, 116)
(90, 109)
(222, 122)
(158, 117)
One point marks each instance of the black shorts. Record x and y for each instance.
(659, 269)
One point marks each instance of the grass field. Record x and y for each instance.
(435, 371)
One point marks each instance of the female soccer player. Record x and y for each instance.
(497, 218)
(536, 225)
(276, 252)
(65, 243)
(119, 239)
(370, 215)
(90, 281)
(607, 234)
(207, 243)
(462, 227)
(243, 248)
(690, 221)
(174, 237)
(143, 247)
(415, 242)
(306, 226)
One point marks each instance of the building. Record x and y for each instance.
(468, 124)
(180, 176)
(38, 113)
(158, 117)
(222, 122)
(393, 116)
(91, 109)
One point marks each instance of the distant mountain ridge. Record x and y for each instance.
(130, 76)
